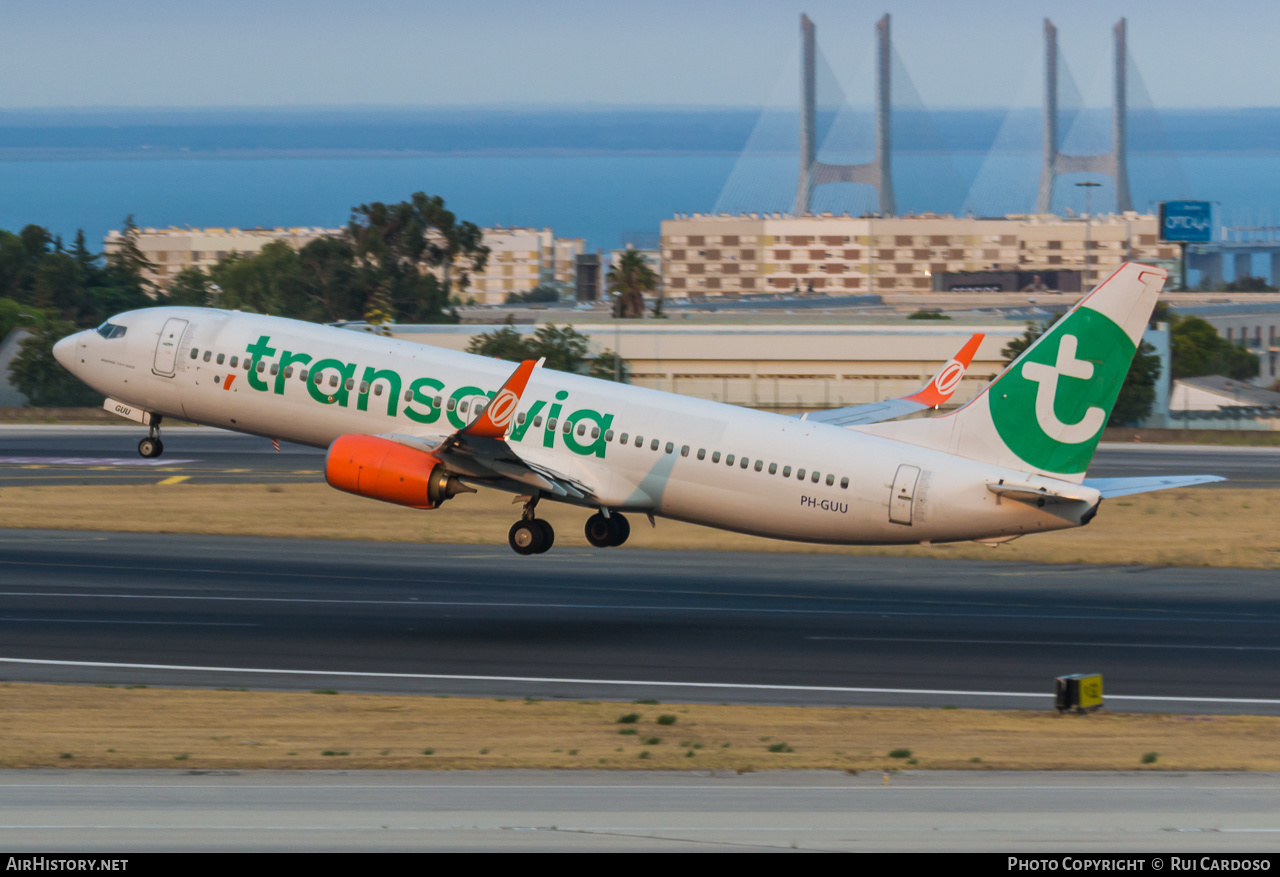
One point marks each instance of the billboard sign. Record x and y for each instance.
(1186, 221)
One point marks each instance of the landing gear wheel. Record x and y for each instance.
(150, 447)
(598, 531)
(527, 537)
(619, 530)
(608, 532)
(548, 535)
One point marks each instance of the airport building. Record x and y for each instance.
(706, 255)
(521, 259)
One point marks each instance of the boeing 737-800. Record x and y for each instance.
(410, 424)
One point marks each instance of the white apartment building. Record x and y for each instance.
(521, 259)
(705, 255)
(172, 249)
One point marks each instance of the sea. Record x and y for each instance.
(609, 176)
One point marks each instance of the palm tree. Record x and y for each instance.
(630, 279)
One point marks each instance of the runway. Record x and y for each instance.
(627, 624)
(144, 811)
(44, 455)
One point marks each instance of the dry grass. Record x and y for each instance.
(1218, 527)
(98, 727)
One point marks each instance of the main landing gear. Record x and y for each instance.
(607, 532)
(151, 446)
(531, 535)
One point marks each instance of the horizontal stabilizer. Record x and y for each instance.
(1125, 486)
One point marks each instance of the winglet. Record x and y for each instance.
(499, 413)
(944, 383)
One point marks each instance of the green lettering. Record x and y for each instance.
(372, 375)
(458, 395)
(433, 413)
(259, 349)
(518, 431)
(287, 359)
(327, 394)
(592, 446)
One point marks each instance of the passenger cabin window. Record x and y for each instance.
(208, 355)
(831, 479)
(670, 447)
(522, 417)
(377, 389)
(351, 382)
(608, 435)
(275, 368)
(462, 409)
(728, 460)
(639, 441)
(408, 395)
(653, 445)
(288, 371)
(800, 474)
(235, 360)
(364, 387)
(715, 458)
(319, 378)
(684, 451)
(221, 357)
(595, 432)
(786, 471)
(844, 483)
(773, 468)
(453, 403)
(567, 428)
(622, 439)
(195, 353)
(437, 401)
(333, 380)
(582, 429)
(702, 453)
(262, 366)
(815, 477)
(551, 424)
(248, 365)
(745, 463)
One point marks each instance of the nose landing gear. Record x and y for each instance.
(151, 446)
(531, 535)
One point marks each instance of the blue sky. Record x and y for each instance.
(245, 53)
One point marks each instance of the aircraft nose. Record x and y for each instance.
(65, 350)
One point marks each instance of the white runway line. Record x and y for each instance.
(736, 686)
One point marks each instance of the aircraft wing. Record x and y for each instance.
(480, 451)
(931, 395)
(1125, 486)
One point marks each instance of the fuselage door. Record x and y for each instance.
(167, 349)
(904, 494)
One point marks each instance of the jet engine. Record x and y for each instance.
(379, 468)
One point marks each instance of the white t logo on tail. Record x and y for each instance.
(1046, 377)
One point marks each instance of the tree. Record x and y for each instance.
(564, 348)
(40, 378)
(1198, 349)
(190, 286)
(630, 279)
(407, 243)
(1249, 283)
(536, 295)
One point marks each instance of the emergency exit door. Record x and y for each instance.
(903, 497)
(167, 348)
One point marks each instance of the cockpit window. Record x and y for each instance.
(111, 330)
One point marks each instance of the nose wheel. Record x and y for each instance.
(151, 446)
(608, 532)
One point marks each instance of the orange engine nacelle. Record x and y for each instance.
(379, 468)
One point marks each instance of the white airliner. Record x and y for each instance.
(416, 425)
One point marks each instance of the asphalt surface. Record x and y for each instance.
(627, 624)
(1082, 814)
(39, 455)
